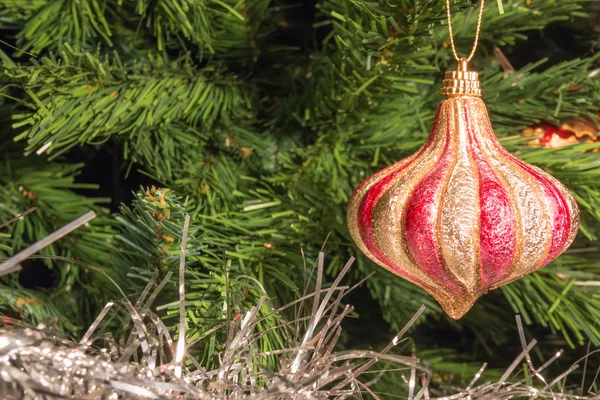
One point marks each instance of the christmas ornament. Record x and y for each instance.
(462, 216)
(571, 132)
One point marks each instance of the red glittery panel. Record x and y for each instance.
(422, 219)
(498, 226)
(557, 207)
(365, 222)
(369, 201)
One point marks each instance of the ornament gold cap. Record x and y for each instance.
(462, 82)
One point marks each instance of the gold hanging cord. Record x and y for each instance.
(462, 82)
(476, 42)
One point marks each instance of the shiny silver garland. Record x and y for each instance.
(39, 363)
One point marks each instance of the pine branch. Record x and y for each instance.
(242, 27)
(27, 183)
(223, 28)
(562, 297)
(150, 239)
(363, 60)
(36, 307)
(48, 24)
(111, 98)
(566, 90)
(14, 12)
(514, 25)
(169, 18)
(376, 50)
(228, 28)
(150, 233)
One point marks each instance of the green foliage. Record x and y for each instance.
(515, 24)
(48, 188)
(220, 284)
(377, 50)
(47, 24)
(572, 92)
(241, 27)
(561, 299)
(82, 98)
(175, 17)
(225, 28)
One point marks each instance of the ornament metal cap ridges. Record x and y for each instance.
(462, 82)
(462, 216)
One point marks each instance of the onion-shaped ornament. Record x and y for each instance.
(462, 216)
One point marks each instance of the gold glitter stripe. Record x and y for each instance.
(452, 104)
(357, 197)
(390, 212)
(461, 212)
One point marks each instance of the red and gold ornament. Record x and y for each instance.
(462, 216)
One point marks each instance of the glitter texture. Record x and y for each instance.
(462, 216)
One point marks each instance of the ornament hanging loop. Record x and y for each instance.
(475, 42)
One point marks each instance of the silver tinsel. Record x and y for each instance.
(39, 363)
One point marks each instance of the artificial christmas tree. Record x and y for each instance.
(261, 117)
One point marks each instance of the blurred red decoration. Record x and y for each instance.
(571, 132)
